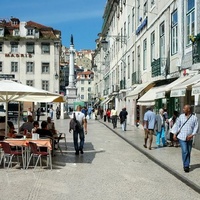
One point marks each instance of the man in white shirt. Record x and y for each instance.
(82, 120)
(113, 115)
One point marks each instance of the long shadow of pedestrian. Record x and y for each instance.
(69, 156)
(195, 166)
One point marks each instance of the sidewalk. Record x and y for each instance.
(168, 158)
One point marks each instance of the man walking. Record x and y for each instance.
(79, 116)
(149, 124)
(123, 117)
(184, 129)
(114, 117)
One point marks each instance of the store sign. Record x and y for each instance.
(18, 55)
(160, 95)
(7, 76)
(178, 93)
(195, 90)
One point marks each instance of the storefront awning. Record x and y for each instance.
(148, 99)
(138, 89)
(110, 99)
(104, 101)
(161, 94)
(196, 89)
(180, 90)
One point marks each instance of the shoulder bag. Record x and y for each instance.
(183, 124)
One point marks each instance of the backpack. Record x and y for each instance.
(74, 124)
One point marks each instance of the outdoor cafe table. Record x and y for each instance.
(24, 143)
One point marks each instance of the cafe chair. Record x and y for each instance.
(35, 152)
(1, 150)
(9, 153)
(61, 136)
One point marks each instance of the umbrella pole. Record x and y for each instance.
(6, 121)
(19, 115)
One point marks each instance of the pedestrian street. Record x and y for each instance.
(110, 168)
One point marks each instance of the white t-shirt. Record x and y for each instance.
(79, 116)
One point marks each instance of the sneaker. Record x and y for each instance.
(77, 153)
(187, 169)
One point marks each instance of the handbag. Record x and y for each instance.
(183, 125)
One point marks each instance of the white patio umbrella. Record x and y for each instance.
(14, 91)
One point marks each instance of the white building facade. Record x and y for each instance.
(148, 46)
(29, 53)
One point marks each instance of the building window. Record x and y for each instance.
(45, 68)
(30, 32)
(14, 66)
(29, 83)
(133, 61)
(174, 37)
(45, 85)
(82, 96)
(1, 66)
(145, 54)
(89, 89)
(133, 19)
(162, 40)
(16, 32)
(1, 32)
(138, 56)
(138, 12)
(45, 48)
(152, 46)
(129, 71)
(190, 17)
(29, 67)
(82, 81)
(128, 31)
(82, 89)
(152, 3)
(145, 8)
(121, 37)
(14, 47)
(1, 47)
(30, 47)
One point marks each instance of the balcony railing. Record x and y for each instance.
(136, 77)
(196, 51)
(155, 68)
(122, 84)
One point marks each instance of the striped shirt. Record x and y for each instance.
(190, 127)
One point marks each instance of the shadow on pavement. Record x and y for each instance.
(69, 156)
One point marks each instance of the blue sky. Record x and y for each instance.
(82, 18)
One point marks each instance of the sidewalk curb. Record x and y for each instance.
(183, 179)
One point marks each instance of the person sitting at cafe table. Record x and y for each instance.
(11, 130)
(35, 126)
(51, 125)
(27, 125)
(44, 132)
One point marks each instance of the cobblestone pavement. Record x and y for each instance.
(109, 169)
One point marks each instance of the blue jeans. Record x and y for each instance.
(82, 139)
(114, 121)
(124, 125)
(186, 148)
(161, 135)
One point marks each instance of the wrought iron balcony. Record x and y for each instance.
(122, 84)
(196, 51)
(136, 77)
